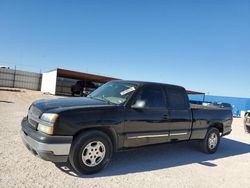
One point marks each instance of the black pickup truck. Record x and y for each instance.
(117, 116)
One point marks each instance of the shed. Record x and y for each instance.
(60, 81)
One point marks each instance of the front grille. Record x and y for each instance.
(32, 122)
(35, 112)
(33, 116)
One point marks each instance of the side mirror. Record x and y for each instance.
(139, 104)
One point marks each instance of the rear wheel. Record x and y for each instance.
(91, 152)
(211, 142)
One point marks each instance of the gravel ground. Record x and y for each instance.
(178, 165)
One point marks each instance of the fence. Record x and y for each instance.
(20, 79)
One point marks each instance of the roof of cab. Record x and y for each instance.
(168, 85)
(146, 83)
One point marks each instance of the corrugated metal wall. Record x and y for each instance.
(20, 79)
(63, 85)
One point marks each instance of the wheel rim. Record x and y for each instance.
(212, 141)
(93, 153)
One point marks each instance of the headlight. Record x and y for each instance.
(47, 123)
(49, 117)
(45, 129)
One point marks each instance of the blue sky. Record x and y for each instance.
(201, 45)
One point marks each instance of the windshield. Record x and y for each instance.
(114, 92)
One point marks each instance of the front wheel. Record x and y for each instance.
(247, 129)
(91, 152)
(211, 142)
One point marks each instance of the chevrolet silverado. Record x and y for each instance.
(119, 115)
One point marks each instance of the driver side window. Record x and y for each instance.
(152, 96)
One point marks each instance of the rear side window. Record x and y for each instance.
(153, 97)
(177, 99)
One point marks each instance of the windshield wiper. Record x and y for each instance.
(102, 98)
(106, 100)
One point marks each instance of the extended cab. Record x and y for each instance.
(116, 116)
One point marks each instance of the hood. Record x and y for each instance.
(49, 104)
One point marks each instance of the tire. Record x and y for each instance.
(90, 152)
(211, 142)
(81, 93)
(247, 129)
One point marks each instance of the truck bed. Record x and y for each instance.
(204, 116)
(209, 105)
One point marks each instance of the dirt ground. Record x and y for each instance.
(178, 165)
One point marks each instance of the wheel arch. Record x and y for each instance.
(110, 132)
(217, 125)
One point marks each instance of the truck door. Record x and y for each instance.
(179, 113)
(148, 123)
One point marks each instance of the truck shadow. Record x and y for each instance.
(163, 156)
